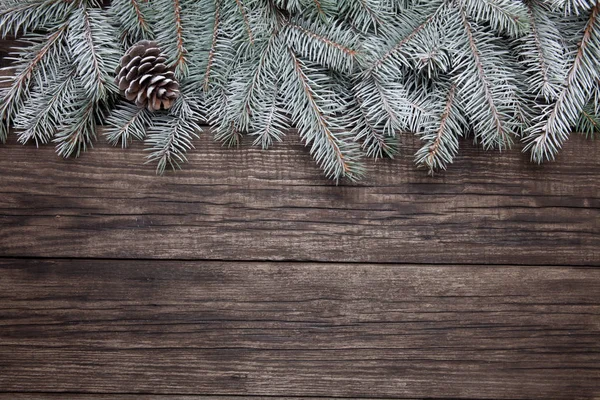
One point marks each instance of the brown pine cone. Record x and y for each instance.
(144, 77)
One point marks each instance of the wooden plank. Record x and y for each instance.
(80, 396)
(275, 205)
(296, 329)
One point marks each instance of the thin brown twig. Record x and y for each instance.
(433, 149)
(246, 22)
(320, 117)
(483, 77)
(213, 47)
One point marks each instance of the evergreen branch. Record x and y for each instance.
(433, 151)
(441, 135)
(213, 47)
(436, 68)
(38, 63)
(291, 6)
(323, 9)
(189, 105)
(127, 122)
(228, 133)
(181, 51)
(41, 115)
(260, 82)
(94, 47)
(317, 4)
(312, 112)
(589, 122)
(332, 45)
(169, 138)
(22, 16)
(499, 126)
(322, 39)
(375, 142)
(396, 51)
(170, 34)
(505, 16)
(200, 23)
(79, 128)
(383, 105)
(546, 137)
(543, 53)
(133, 16)
(367, 15)
(487, 89)
(244, 15)
(4, 128)
(271, 122)
(139, 16)
(575, 6)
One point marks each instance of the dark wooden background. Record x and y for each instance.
(247, 274)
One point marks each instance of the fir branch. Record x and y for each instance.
(261, 81)
(332, 45)
(436, 68)
(78, 130)
(373, 136)
(169, 138)
(576, 7)
(42, 114)
(94, 48)
(200, 22)
(543, 53)
(505, 16)
(313, 111)
(291, 6)
(180, 61)
(127, 122)
(22, 16)
(589, 122)
(170, 34)
(4, 128)
(384, 104)
(486, 85)
(553, 127)
(213, 48)
(367, 15)
(244, 14)
(37, 63)
(441, 135)
(228, 133)
(270, 123)
(134, 19)
(321, 9)
(388, 62)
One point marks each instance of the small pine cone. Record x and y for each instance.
(144, 77)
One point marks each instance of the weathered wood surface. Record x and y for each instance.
(427, 318)
(81, 396)
(248, 204)
(299, 329)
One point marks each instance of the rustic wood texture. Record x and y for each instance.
(81, 396)
(248, 204)
(299, 329)
(482, 281)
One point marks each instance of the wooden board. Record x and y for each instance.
(296, 329)
(82, 396)
(453, 303)
(248, 204)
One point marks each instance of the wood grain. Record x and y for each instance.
(249, 204)
(297, 329)
(81, 396)
(233, 328)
